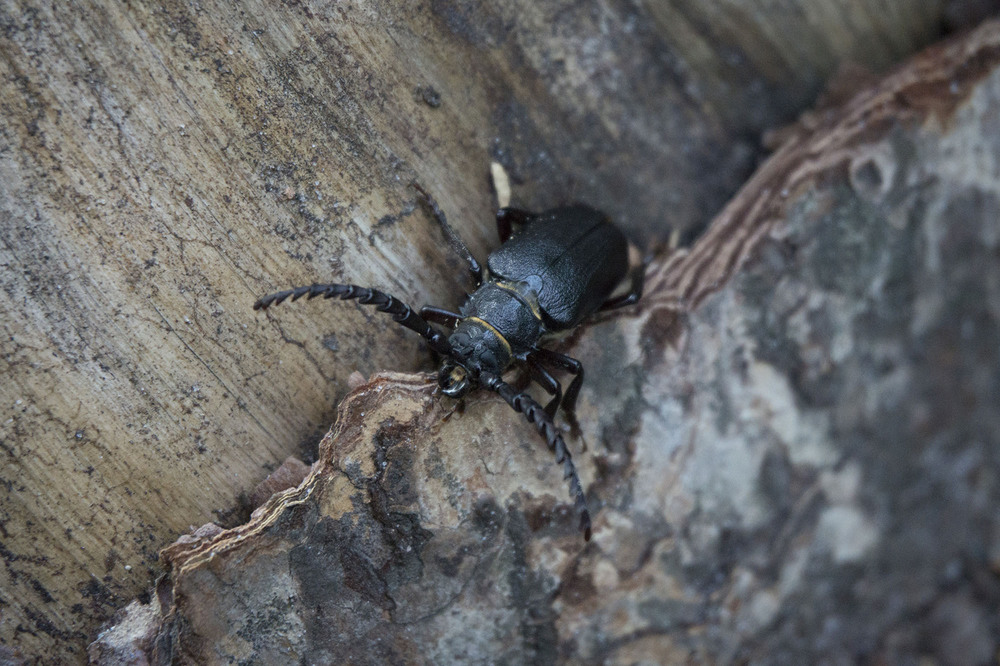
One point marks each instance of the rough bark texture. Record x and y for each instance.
(796, 459)
(163, 164)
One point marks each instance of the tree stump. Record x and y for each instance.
(162, 166)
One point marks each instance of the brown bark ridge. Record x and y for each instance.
(796, 459)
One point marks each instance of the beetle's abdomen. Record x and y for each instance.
(574, 257)
(508, 310)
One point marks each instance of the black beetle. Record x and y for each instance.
(552, 270)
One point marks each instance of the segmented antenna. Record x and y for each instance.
(383, 302)
(535, 413)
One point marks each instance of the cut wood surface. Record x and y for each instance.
(163, 164)
(794, 454)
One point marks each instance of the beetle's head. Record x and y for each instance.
(476, 348)
(454, 379)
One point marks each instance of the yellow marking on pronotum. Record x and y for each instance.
(498, 333)
(532, 303)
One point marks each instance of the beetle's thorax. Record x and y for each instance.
(505, 312)
(479, 347)
(500, 323)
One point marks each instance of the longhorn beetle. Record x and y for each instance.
(552, 270)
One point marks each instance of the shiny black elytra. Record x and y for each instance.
(552, 270)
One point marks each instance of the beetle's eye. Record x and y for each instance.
(453, 380)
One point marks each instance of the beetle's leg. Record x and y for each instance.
(525, 404)
(637, 276)
(383, 302)
(507, 218)
(440, 316)
(568, 364)
(575, 368)
(457, 244)
(543, 378)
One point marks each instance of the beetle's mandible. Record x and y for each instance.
(552, 270)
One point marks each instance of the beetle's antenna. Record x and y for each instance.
(382, 301)
(525, 404)
(458, 246)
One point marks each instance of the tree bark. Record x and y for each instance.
(161, 166)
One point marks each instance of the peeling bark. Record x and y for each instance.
(798, 459)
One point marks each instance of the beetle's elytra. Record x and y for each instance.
(552, 271)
